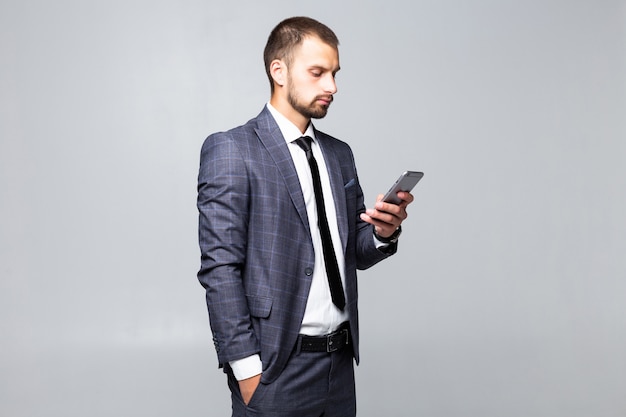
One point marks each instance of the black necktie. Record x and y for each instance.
(332, 269)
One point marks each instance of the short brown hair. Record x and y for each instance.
(290, 33)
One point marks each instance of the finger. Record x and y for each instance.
(387, 209)
(382, 218)
(407, 198)
(382, 228)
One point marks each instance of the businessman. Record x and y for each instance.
(283, 229)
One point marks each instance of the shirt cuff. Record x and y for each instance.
(379, 244)
(247, 367)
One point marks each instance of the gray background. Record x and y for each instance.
(507, 297)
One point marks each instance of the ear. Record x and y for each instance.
(278, 71)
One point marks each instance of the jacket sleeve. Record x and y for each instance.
(367, 254)
(223, 197)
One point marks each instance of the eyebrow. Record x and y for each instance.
(320, 67)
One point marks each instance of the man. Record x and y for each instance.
(283, 229)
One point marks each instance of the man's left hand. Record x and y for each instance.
(387, 217)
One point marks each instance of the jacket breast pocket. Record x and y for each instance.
(259, 306)
(350, 190)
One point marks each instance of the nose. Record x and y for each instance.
(330, 85)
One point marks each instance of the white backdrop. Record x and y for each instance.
(507, 297)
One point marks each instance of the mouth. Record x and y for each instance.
(324, 100)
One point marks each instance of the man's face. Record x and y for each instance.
(310, 79)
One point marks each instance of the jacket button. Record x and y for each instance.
(308, 272)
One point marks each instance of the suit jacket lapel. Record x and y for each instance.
(269, 134)
(336, 184)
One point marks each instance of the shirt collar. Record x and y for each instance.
(287, 128)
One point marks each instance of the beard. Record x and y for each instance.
(312, 110)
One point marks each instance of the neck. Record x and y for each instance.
(289, 112)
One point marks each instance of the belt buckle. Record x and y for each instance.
(331, 346)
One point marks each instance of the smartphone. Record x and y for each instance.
(406, 182)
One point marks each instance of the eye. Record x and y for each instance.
(316, 73)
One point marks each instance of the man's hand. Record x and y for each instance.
(247, 387)
(386, 217)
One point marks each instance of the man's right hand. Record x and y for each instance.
(248, 386)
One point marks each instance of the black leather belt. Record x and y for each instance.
(332, 342)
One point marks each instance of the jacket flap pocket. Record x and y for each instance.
(259, 306)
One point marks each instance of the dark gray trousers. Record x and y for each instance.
(313, 384)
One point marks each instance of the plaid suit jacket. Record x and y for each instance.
(255, 241)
